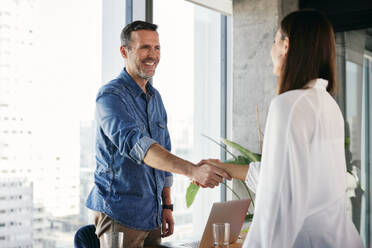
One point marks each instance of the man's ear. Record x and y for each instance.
(124, 52)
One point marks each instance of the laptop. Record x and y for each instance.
(232, 212)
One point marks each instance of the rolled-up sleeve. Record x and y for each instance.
(168, 179)
(121, 128)
(139, 150)
(253, 175)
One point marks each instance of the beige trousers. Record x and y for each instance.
(132, 238)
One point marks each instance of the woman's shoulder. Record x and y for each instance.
(292, 104)
(288, 100)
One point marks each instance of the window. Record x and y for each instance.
(189, 78)
(366, 141)
(357, 115)
(48, 105)
(52, 110)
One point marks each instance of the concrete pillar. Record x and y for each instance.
(254, 25)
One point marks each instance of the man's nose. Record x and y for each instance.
(153, 51)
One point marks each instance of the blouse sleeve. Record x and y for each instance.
(253, 175)
(280, 198)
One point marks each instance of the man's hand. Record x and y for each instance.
(238, 171)
(213, 162)
(167, 226)
(209, 176)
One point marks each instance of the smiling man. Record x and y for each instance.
(131, 192)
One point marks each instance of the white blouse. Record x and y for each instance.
(300, 200)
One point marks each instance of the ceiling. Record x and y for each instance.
(344, 14)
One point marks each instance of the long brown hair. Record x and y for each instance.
(311, 53)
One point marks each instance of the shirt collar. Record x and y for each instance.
(319, 83)
(133, 87)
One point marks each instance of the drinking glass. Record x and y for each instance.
(113, 240)
(221, 235)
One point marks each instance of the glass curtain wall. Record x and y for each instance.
(189, 80)
(366, 173)
(53, 59)
(50, 70)
(354, 69)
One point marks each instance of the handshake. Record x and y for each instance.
(209, 173)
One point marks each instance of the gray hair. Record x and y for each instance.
(134, 26)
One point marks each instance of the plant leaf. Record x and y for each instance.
(249, 217)
(245, 152)
(248, 191)
(257, 155)
(221, 145)
(191, 192)
(347, 141)
(239, 160)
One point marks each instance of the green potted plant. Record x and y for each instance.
(244, 158)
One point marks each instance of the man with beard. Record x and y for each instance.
(131, 192)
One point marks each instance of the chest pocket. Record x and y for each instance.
(160, 127)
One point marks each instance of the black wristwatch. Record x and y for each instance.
(170, 206)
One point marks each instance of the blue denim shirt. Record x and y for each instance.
(128, 123)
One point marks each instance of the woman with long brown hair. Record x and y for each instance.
(301, 180)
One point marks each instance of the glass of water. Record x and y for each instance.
(221, 235)
(113, 240)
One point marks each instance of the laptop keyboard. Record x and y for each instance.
(194, 244)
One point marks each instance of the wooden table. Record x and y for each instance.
(237, 244)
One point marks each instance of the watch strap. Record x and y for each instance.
(168, 206)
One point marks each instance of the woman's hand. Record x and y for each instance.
(212, 162)
(238, 171)
(209, 176)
